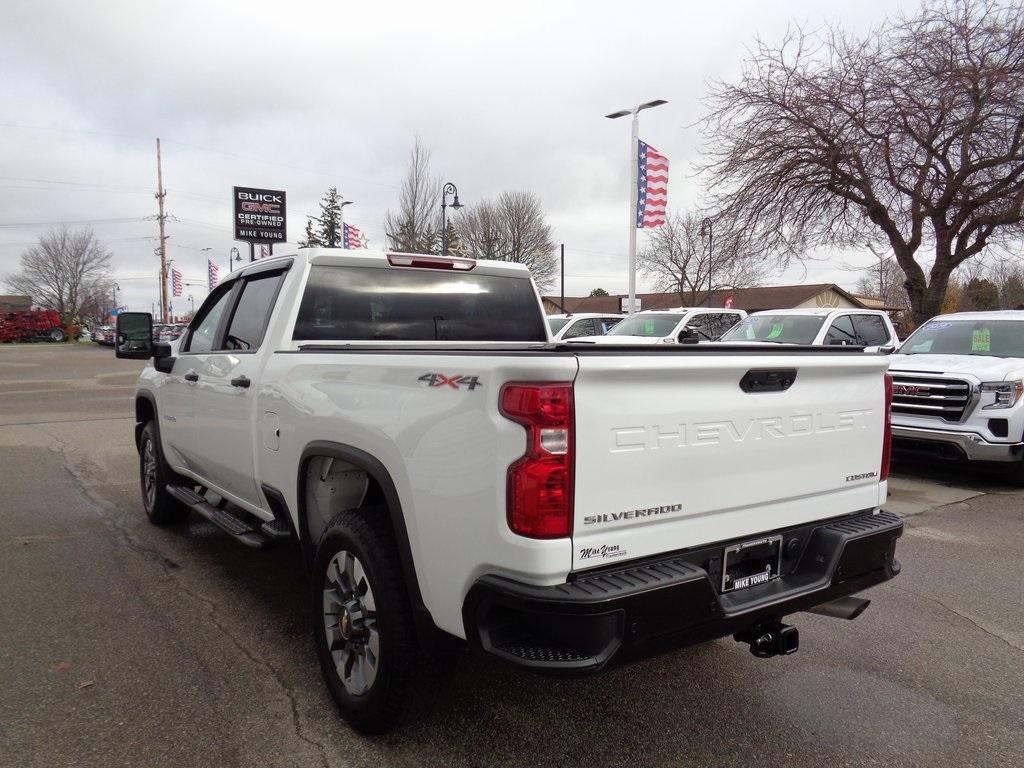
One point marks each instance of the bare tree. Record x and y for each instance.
(511, 228)
(416, 228)
(678, 259)
(65, 271)
(884, 281)
(911, 136)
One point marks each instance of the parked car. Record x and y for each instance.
(670, 326)
(158, 329)
(958, 383)
(171, 332)
(454, 479)
(581, 324)
(104, 335)
(869, 328)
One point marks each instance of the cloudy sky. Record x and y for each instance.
(302, 95)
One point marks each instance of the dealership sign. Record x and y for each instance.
(260, 215)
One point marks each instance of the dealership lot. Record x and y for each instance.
(123, 644)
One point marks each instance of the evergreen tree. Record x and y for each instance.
(311, 239)
(599, 292)
(330, 218)
(980, 295)
(455, 246)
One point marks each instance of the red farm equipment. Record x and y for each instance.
(32, 325)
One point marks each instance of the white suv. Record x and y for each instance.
(671, 326)
(870, 328)
(564, 327)
(958, 382)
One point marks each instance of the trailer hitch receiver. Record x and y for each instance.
(769, 639)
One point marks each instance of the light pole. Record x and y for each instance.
(447, 189)
(707, 229)
(233, 256)
(191, 307)
(116, 289)
(633, 191)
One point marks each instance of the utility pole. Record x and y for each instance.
(160, 195)
(707, 229)
(562, 305)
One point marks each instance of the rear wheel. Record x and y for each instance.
(57, 334)
(161, 508)
(365, 638)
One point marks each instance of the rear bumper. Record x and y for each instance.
(671, 602)
(954, 446)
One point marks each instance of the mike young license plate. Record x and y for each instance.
(751, 563)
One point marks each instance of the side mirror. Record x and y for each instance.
(688, 336)
(134, 336)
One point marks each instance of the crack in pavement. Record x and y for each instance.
(963, 616)
(106, 510)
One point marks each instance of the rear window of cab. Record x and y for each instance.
(402, 304)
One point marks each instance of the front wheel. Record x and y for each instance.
(365, 638)
(161, 508)
(57, 334)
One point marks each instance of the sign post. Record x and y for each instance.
(260, 216)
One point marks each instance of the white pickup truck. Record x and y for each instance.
(455, 478)
(958, 383)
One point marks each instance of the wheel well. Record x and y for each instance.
(145, 412)
(357, 470)
(330, 485)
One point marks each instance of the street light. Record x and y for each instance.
(233, 256)
(447, 189)
(707, 230)
(633, 184)
(191, 306)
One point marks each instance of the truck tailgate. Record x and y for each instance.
(672, 452)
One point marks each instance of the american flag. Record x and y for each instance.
(212, 272)
(652, 187)
(175, 282)
(264, 251)
(352, 237)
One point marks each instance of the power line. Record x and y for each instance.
(23, 224)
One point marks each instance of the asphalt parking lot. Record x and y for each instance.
(124, 644)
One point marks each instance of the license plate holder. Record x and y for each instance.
(750, 563)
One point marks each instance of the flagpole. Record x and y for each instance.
(634, 194)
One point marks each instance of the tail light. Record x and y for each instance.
(883, 473)
(540, 484)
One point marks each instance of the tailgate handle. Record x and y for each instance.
(768, 379)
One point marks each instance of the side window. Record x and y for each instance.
(210, 314)
(252, 313)
(607, 323)
(841, 331)
(871, 329)
(702, 325)
(729, 319)
(585, 327)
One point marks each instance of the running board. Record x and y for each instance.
(232, 525)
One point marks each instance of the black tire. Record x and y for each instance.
(385, 704)
(57, 334)
(161, 508)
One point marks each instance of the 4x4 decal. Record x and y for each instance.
(442, 380)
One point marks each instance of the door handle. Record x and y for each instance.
(241, 381)
(191, 376)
